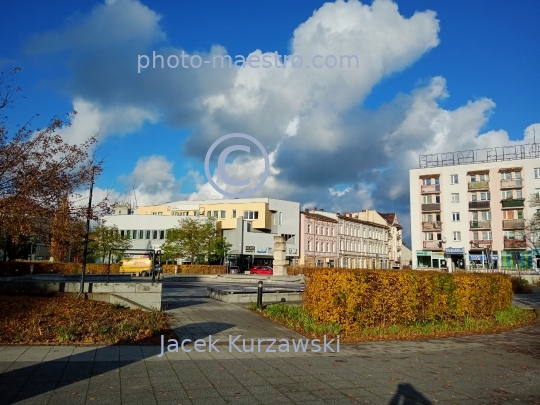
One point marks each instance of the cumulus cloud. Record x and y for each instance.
(311, 121)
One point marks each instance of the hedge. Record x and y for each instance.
(195, 269)
(356, 299)
(19, 268)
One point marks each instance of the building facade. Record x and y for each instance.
(319, 240)
(465, 202)
(249, 224)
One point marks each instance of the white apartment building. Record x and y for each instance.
(464, 202)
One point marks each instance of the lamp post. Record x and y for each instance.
(88, 215)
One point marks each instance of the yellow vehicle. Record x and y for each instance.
(138, 266)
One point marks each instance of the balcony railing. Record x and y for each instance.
(480, 224)
(478, 205)
(481, 243)
(431, 207)
(432, 225)
(517, 203)
(513, 223)
(479, 185)
(515, 244)
(513, 183)
(432, 244)
(432, 188)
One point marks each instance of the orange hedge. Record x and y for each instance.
(195, 269)
(356, 299)
(43, 267)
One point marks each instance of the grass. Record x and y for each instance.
(298, 319)
(48, 319)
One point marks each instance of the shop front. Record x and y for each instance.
(478, 259)
(455, 258)
(430, 260)
(517, 259)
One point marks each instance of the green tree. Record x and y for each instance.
(532, 228)
(105, 238)
(218, 249)
(191, 239)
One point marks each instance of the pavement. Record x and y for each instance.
(483, 369)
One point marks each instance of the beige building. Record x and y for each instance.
(249, 224)
(465, 202)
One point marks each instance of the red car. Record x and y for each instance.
(261, 270)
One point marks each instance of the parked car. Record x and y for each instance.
(261, 270)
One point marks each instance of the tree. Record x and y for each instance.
(532, 227)
(218, 249)
(38, 169)
(192, 238)
(105, 238)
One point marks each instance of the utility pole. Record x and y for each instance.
(88, 216)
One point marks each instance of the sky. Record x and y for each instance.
(431, 77)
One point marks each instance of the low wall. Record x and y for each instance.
(137, 295)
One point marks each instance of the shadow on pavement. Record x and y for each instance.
(201, 330)
(406, 394)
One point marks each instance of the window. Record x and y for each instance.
(507, 194)
(486, 196)
(537, 173)
(509, 235)
(251, 214)
(453, 179)
(309, 245)
(122, 233)
(486, 215)
(175, 213)
(327, 247)
(518, 175)
(333, 232)
(234, 213)
(222, 214)
(455, 216)
(215, 214)
(508, 214)
(484, 177)
(128, 234)
(457, 236)
(154, 234)
(455, 197)
(520, 214)
(506, 175)
(161, 234)
(141, 234)
(428, 236)
(334, 247)
(280, 218)
(134, 234)
(209, 214)
(519, 194)
(341, 245)
(486, 235)
(309, 228)
(317, 246)
(475, 235)
(317, 230)
(147, 234)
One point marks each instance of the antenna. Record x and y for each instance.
(134, 195)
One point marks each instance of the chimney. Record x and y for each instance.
(306, 210)
(322, 210)
(314, 208)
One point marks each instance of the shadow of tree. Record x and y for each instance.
(406, 394)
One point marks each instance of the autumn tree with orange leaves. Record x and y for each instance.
(41, 176)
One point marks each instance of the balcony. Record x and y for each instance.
(431, 207)
(479, 205)
(513, 223)
(433, 244)
(513, 183)
(481, 243)
(517, 203)
(480, 224)
(515, 244)
(433, 188)
(479, 185)
(431, 225)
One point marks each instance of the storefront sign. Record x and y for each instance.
(480, 258)
(422, 253)
(270, 250)
(293, 251)
(261, 249)
(454, 251)
(250, 249)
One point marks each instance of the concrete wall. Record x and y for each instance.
(140, 295)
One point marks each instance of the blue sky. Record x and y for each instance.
(462, 76)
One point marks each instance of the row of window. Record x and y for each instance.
(454, 178)
(485, 235)
(348, 246)
(483, 196)
(142, 234)
(322, 230)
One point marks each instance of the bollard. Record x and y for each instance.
(259, 294)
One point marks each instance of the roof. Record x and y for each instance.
(360, 221)
(390, 218)
(319, 216)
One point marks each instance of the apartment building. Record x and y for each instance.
(361, 244)
(319, 240)
(464, 202)
(249, 224)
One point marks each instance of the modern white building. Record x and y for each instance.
(465, 202)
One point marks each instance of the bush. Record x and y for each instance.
(42, 267)
(520, 286)
(195, 269)
(356, 299)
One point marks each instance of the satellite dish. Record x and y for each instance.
(444, 239)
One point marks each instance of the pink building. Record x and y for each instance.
(318, 240)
